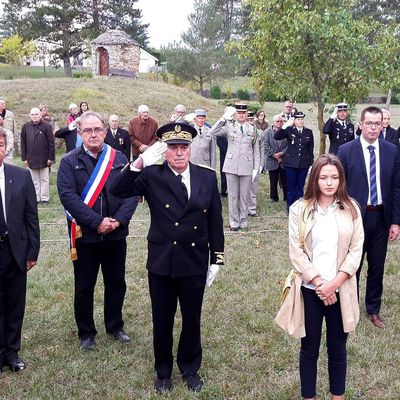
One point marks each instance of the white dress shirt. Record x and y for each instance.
(3, 189)
(325, 237)
(364, 145)
(185, 178)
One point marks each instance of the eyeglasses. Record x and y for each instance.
(373, 124)
(90, 131)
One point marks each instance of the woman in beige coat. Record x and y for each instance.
(325, 246)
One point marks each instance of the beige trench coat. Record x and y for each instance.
(351, 237)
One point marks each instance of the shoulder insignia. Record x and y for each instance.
(206, 166)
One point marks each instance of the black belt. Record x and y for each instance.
(3, 238)
(379, 207)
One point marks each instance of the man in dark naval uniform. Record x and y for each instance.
(340, 130)
(185, 236)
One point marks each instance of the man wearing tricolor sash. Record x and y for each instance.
(98, 226)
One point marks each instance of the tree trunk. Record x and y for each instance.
(67, 67)
(320, 119)
(388, 99)
(201, 85)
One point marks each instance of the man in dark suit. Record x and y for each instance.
(339, 129)
(117, 137)
(19, 250)
(372, 169)
(84, 179)
(388, 133)
(186, 232)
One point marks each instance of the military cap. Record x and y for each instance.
(341, 106)
(299, 114)
(200, 112)
(176, 133)
(241, 107)
(250, 114)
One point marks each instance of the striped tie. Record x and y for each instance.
(372, 176)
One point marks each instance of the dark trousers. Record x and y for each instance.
(222, 143)
(295, 179)
(165, 292)
(275, 176)
(12, 303)
(110, 255)
(375, 246)
(336, 338)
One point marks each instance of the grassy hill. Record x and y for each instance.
(246, 356)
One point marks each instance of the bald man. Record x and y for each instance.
(117, 137)
(38, 152)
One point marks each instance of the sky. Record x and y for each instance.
(167, 18)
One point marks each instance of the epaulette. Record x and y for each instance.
(206, 166)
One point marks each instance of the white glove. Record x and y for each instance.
(254, 174)
(153, 153)
(334, 113)
(229, 112)
(189, 118)
(288, 123)
(211, 274)
(72, 125)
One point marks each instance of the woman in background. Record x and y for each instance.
(83, 107)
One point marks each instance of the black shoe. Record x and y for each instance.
(223, 194)
(193, 382)
(163, 385)
(234, 229)
(88, 343)
(253, 215)
(16, 364)
(121, 336)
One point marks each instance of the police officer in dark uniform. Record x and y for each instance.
(299, 155)
(340, 130)
(185, 237)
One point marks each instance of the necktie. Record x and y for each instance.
(200, 131)
(183, 186)
(241, 129)
(372, 176)
(3, 225)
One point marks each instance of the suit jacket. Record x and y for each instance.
(120, 142)
(272, 146)
(243, 154)
(74, 172)
(68, 136)
(183, 236)
(203, 148)
(392, 136)
(352, 157)
(338, 135)
(350, 246)
(22, 216)
(300, 151)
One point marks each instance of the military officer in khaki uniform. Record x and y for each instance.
(242, 161)
(204, 143)
(254, 184)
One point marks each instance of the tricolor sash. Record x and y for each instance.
(92, 191)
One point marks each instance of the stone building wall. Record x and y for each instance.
(120, 57)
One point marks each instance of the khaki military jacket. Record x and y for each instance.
(204, 148)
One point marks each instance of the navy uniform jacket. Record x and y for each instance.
(182, 236)
(338, 135)
(352, 157)
(73, 174)
(120, 142)
(300, 147)
(22, 215)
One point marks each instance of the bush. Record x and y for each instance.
(243, 94)
(255, 107)
(82, 74)
(215, 92)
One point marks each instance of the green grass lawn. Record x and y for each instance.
(246, 356)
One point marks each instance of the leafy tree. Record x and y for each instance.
(13, 49)
(200, 56)
(316, 48)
